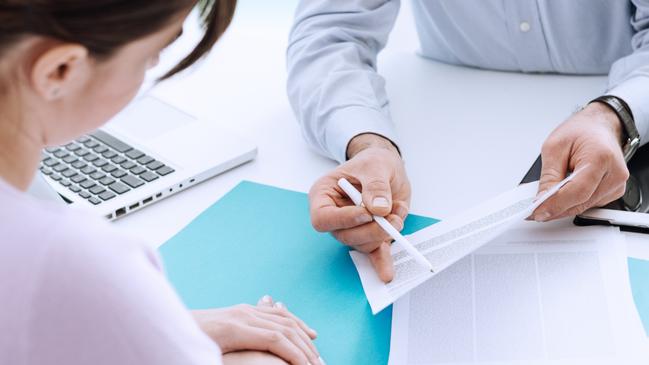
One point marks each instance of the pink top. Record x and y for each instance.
(73, 291)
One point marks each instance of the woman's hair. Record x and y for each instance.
(103, 26)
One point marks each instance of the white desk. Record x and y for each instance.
(466, 134)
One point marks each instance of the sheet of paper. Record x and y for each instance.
(535, 295)
(447, 242)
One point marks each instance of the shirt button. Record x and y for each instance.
(525, 27)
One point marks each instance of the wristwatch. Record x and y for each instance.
(625, 115)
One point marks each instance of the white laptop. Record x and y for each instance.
(148, 152)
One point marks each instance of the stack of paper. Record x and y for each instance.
(537, 294)
(532, 296)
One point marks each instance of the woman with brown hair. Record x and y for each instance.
(73, 291)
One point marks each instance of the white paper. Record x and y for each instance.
(536, 295)
(447, 242)
(637, 245)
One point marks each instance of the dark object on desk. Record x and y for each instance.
(635, 199)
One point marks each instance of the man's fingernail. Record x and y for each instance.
(540, 194)
(364, 218)
(266, 299)
(380, 202)
(542, 217)
(402, 212)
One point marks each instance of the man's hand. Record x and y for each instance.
(268, 327)
(376, 169)
(590, 139)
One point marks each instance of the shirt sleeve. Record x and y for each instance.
(629, 76)
(333, 84)
(104, 300)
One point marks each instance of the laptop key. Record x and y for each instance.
(69, 173)
(82, 152)
(79, 164)
(111, 141)
(137, 170)
(154, 165)
(107, 195)
(70, 159)
(100, 162)
(78, 179)
(60, 168)
(97, 189)
(148, 176)
(50, 162)
(109, 154)
(46, 171)
(128, 165)
(94, 200)
(91, 143)
(119, 188)
(65, 183)
(118, 173)
(97, 175)
(52, 149)
(134, 154)
(118, 159)
(87, 184)
(90, 157)
(106, 181)
(61, 153)
(145, 159)
(72, 146)
(74, 189)
(83, 139)
(164, 170)
(100, 149)
(85, 194)
(88, 170)
(132, 181)
(109, 168)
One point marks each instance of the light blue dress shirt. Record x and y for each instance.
(337, 93)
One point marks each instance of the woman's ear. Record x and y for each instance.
(59, 70)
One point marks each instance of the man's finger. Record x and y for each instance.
(328, 218)
(554, 167)
(575, 193)
(367, 233)
(382, 262)
(377, 194)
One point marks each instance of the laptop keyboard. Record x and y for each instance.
(98, 167)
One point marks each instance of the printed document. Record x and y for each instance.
(538, 294)
(447, 242)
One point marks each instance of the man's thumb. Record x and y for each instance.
(377, 196)
(554, 166)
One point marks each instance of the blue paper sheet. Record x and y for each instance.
(258, 240)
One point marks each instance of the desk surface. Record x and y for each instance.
(466, 134)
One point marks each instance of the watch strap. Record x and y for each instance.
(625, 115)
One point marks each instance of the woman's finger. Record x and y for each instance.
(292, 333)
(292, 324)
(266, 301)
(283, 312)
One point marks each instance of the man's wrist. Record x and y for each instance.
(369, 140)
(610, 117)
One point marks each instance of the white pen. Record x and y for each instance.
(357, 198)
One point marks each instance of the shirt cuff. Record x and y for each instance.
(635, 92)
(349, 122)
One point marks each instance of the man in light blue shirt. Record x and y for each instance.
(341, 103)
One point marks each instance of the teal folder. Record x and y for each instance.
(258, 240)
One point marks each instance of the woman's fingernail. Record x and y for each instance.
(267, 299)
(380, 202)
(321, 361)
(280, 305)
(542, 217)
(364, 218)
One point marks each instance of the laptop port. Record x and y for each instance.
(158, 195)
(192, 181)
(147, 200)
(134, 206)
(120, 212)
